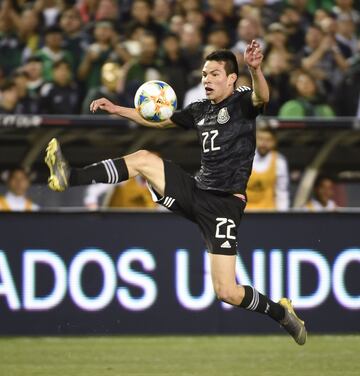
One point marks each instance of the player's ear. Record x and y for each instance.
(232, 78)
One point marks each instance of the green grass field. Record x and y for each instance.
(175, 356)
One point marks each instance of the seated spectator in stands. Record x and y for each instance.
(52, 51)
(268, 187)
(346, 7)
(161, 13)
(146, 67)
(130, 194)
(8, 98)
(112, 88)
(87, 9)
(28, 102)
(307, 101)
(97, 54)
(76, 40)
(323, 195)
(176, 25)
(33, 68)
(61, 96)
(15, 199)
(291, 19)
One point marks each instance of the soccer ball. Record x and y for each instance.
(155, 101)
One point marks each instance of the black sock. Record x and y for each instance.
(110, 171)
(254, 301)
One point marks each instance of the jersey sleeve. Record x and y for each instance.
(184, 118)
(247, 108)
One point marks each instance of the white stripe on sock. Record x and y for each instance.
(112, 181)
(112, 164)
(171, 202)
(107, 171)
(255, 301)
(167, 199)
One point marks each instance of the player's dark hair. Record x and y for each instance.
(231, 65)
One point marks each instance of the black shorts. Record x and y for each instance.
(217, 214)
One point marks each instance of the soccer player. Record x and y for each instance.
(215, 198)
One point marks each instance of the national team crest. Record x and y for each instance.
(223, 116)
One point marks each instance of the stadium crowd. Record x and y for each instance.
(56, 56)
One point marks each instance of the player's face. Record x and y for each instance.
(265, 142)
(218, 85)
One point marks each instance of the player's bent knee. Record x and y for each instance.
(224, 292)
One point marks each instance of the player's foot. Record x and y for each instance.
(292, 324)
(58, 166)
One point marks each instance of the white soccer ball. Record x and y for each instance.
(155, 100)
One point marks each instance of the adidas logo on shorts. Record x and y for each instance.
(226, 245)
(168, 201)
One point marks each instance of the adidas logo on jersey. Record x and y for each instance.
(243, 88)
(201, 122)
(226, 244)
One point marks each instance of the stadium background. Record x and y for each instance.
(67, 271)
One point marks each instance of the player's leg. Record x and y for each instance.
(247, 297)
(111, 171)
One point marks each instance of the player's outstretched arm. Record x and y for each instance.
(127, 112)
(253, 58)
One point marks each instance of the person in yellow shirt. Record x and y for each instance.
(267, 188)
(15, 199)
(130, 194)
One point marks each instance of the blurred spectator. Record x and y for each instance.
(28, 24)
(222, 13)
(8, 97)
(15, 199)
(308, 102)
(140, 15)
(97, 54)
(108, 10)
(177, 22)
(290, 18)
(161, 13)
(218, 37)
(276, 69)
(268, 186)
(322, 56)
(174, 66)
(347, 95)
(10, 45)
(52, 51)
(147, 67)
(61, 96)
(346, 7)
(28, 101)
(247, 30)
(112, 88)
(196, 18)
(130, 194)
(323, 195)
(191, 46)
(33, 68)
(50, 10)
(346, 35)
(88, 9)
(276, 41)
(75, 39)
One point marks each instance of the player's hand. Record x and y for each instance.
(253, 55)
(103, 104)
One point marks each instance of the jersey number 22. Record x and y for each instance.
(213, 134)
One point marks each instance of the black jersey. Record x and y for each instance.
(226, 132)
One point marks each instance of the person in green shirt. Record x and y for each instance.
(307, 101)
